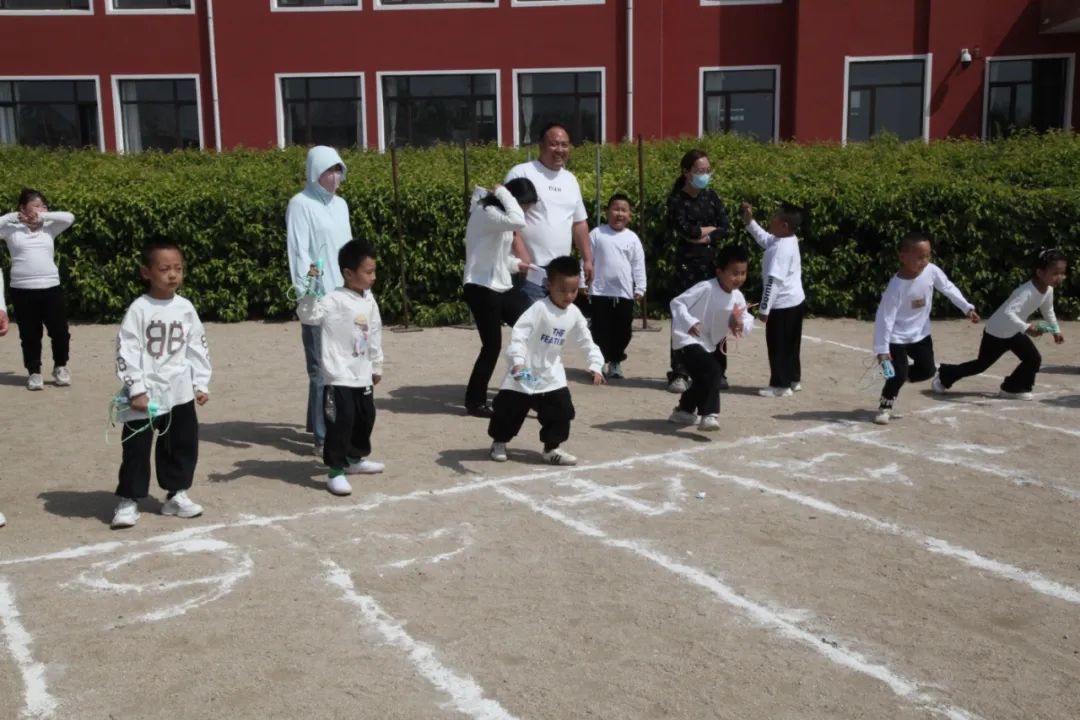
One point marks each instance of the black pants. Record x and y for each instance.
(689, 271)
(703, 397)
(991, 349)
(35, 310)
(174, 459)
(783, 337)
(921, 368)
(350, 418)
(490, 309)
(612, 326)
(554, 409)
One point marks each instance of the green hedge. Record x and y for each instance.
(988, 205)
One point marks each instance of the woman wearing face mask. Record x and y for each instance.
(698, 221)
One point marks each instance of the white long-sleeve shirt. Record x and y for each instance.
(488, 238)
(162, 350)
(618, 263)
(537, 341)
(3, 302)
(903, 315)
(351, 335)
(781, 270)
(316, 226)
(710, 305)
(33, 263)
(1011, 317)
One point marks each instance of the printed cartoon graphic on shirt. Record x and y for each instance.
(918, 302)
(361, 335)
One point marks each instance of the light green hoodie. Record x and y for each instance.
(317, 222)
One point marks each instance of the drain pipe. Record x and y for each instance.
(630, 70)
(213, 74)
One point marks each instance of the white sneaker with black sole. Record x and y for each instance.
(559, 457)
(61, 376)
(498, 452)
(35, 382)
(180, 505)
(126, 515)
(338, 485)
(709, 423)
(364, 467)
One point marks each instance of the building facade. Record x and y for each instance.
(128, 75)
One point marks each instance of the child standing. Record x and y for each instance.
(536, 379)
(3, 332)
(350, 362)
(700, 320)
(783, 301)
(902, 323)
(31, 234)
(618, 283)
(1008, 329)
(163, 362)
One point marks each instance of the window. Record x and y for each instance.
(526, 3)
(318, 4)
(151, 4)
(427, 109)
(420, 3)
(49, 112)
(740, 100)
(159, 114)
(886, 96)
(573, 98)
(323, 110)
(1027, 94)
(44, 4)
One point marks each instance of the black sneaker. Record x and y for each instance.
(480, 411)
(723, 383)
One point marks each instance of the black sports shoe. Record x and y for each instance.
(723, 383)
(480, 411)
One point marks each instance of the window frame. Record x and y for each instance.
(111, 10)
(274, 7)
(378, 5)
(715, 3)
(554, 3)
(118, 118)
(97, 95)
(736, 68)
(50, 13)
(928, 67)
(280, 98)
(1070, 79)
(399, 73)
(553, 70)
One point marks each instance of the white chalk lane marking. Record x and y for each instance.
(39, 702)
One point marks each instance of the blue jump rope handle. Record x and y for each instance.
(1046, 327)
(319, 265)
(152, 408)
(887, 369)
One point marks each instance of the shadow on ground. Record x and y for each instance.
(658, 426)
(1067, 401)
(1055, 369)
(90, 504)
(424, 400)
(303, 473)
(243, 434)
(829, 416)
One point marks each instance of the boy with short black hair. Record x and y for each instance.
(618, 282)
(536, 378)
(350, 364)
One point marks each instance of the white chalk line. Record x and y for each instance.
(39, 703)
(1034, 580)
(463, 533)
(764, 616)
(466, 696)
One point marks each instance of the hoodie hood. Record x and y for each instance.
(319, 159)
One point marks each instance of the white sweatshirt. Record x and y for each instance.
(161, 350)
(618, 263)
(488, 237)
(351, 335)
(781, 270)
(33, 266)
(710, 305)
(536, 344)
(1012, 316)
(903, 315)
(3, 302)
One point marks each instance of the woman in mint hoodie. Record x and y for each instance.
(317, 222)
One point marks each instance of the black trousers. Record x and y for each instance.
(991, 349)
(783, 338)
(689, 271)
(703, 396)
(553, 409)
(490, 309)
(175, 457)
(612, 326)
(921, 367)
(36, 310)
(350, 418)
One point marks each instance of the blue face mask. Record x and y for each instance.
(700, 181)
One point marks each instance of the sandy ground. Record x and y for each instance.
(832, 569)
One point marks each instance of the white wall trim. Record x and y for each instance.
(280, 101)
(1070, 70)
(392, 73)
(97, 92)
(110, 10)
(927, 75)
(378, 5)
(50, 13)
(603, 95)
(334, 8)
(118, 120)
(736, 68)
(548, 3)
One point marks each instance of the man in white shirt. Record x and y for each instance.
(557, 220)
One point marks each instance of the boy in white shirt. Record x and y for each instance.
(902, 323)
(536, 379)
(163, 362)
(700, 320)
(350, 364)
(618, 283)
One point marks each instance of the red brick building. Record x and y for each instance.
(133, 74)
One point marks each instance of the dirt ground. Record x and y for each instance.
(800, 564)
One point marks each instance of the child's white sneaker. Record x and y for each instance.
(3, 520)
(883, 416)
(338, 485)
(364, 467)
(1015, 395)
(775, 392)
(126, 515)
(61, 376)
(615, 371)
(35, 382)
(682, 417)
(678, 386)
(181, 506)
(709, 423)
(796, 387)
(559, 457)
(498, 452)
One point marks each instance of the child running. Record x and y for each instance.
(618, 282)
(163, 362)
(700, 320)
(536, 379)
(902, 323)
(350, 362)
(1008, 329)
(36, 294)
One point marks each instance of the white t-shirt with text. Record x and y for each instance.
(547, 223)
